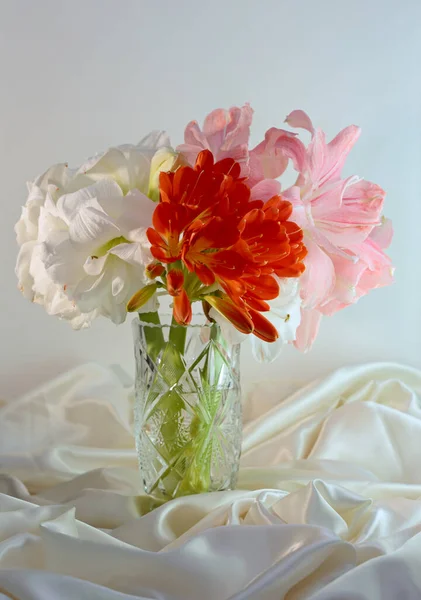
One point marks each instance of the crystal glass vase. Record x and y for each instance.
(187, 407)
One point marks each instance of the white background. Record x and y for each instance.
(80, 75)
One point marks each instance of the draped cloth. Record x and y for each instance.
(328, 504)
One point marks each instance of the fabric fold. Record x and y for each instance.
(328, 503)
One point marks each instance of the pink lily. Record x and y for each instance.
(341, 220)
(225, 133)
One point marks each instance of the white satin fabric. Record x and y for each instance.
(328, 505)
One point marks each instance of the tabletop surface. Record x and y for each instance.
(327, 504)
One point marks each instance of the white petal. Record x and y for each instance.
(69, 205)
(91, 292)
(95, 265)
(285, 315)
(135, 254)
(154, 140)
(49, 225)
(128, 165)
(83, 320)
(116, 312)
(120, 282)
(62, 261)
(131, 213)
(91, 228)
(58, 175)
(22, 270)
(104, 163)
(117, 286)
(264, 352)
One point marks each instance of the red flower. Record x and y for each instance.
(227, 247)
(181, 306)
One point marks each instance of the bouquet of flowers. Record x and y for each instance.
(210, 223)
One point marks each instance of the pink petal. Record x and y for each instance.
(307, 330)
(318, 235)
(293, 195)
(195, 142)
(301, 210)
(372, 255)
(353, 280)
(328, 198)
(383, 234)
(318, 280)
(371, 280)
(337, 152)
(349, 218)
(332, 307)
(269, 159)
(300, 119)
(265, 190)
(316, 158)
(325, 161)
(225, 130)
(366, 192)
(225, 133)
(347, 233)
(348, 275)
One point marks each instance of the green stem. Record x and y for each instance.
(177, 336)
(153, 335)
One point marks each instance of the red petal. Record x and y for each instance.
(175, 282)
(226, 264)
(154, 238)
(204, 160)
(292, 271)
(183, 184)
(165, 186)
(228, 166)
(295, 233)
(238, 316)
(161, 217)
(182, 310)
(263, 329)
(279, 207)
(217, 233)
(154, 270)
(257, 304)
(251, 221)
(204, 274)
(285, 210)
(234, 288)
(162, 255)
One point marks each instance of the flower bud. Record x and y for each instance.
(141, 297)
(154, 270)
(164, 159)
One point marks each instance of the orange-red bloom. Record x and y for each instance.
(154, 270)
(206, 222)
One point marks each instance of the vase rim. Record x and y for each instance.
(166, 322)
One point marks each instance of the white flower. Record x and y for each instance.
(34, 282)
(52, 229)
(96, 247)
(284, 314)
